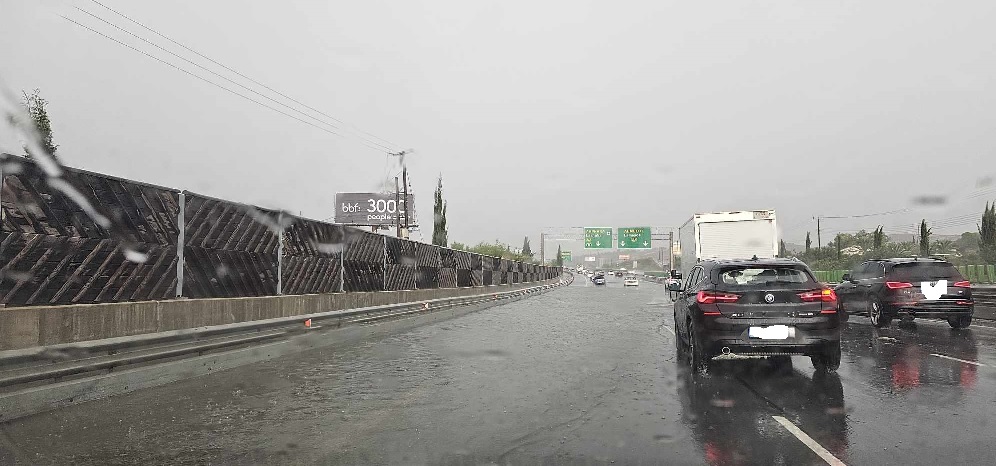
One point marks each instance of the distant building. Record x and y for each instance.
(852, 251)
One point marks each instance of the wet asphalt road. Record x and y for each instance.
(581, 375)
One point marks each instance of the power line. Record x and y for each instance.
(204, 68)
(221, 76)
(387, 147)
(171, 65)
(959, 220)
(983, 192)
(891, 212)
(943, 223)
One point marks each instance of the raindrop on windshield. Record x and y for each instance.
(328, 248)
(135, 256)
(930, 200)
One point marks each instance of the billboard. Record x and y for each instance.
(589, 259)
(624, 257)
(371, 209)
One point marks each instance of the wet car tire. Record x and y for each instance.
(781, 363)
(827, 360)
(697, 357)
(877, 315)
(960, 322)
(679, 344)
(842, 311)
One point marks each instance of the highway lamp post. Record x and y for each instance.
(280, 254)
(403, 192)
(543, 248)
(404, 184)
(397, 207)
(180, 240)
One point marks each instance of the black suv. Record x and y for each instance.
(766, 307)
(907, 288)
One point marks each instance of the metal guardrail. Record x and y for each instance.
(984, 295)
(979, 274)
(53, 363)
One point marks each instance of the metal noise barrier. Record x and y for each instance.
(165, 243)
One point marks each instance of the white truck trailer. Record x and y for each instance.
(727, 235)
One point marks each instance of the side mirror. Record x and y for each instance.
(674, 286)
(846, 277)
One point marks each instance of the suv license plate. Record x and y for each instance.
(773, 332)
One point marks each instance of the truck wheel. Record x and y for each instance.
(960, 322)
(828, 359)
(876, 314)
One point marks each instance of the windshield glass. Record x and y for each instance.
(761, 276)
(464, 232)
(925, 271)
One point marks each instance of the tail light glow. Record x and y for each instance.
(963, 284)
(825, 295)
(898, 285)
(713, 297)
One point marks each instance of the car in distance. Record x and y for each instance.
(599, 279)
(907, 288)
(763, 307)
(631, 281)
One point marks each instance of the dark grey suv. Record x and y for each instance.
(766, 307)
(907, 288)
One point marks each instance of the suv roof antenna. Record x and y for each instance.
(754, 258)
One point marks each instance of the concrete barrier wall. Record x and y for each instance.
(26, 327)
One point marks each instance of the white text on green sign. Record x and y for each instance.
(597, 238)
(634, 238)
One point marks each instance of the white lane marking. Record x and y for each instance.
(959, 360)
(978, 325)
(669, 329)
(809, 442)
(975, 325)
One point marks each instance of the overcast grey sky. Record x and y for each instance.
(539, 114)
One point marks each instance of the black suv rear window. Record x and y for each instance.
(764, 276)
(924, 271)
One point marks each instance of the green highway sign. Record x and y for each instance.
(634, 238)
(598, 237)
(566, 256)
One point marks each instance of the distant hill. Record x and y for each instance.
(907, 237)
(792, 247)
(896, 238)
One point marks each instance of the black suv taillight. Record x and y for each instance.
(826, 295)
(713, 297)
